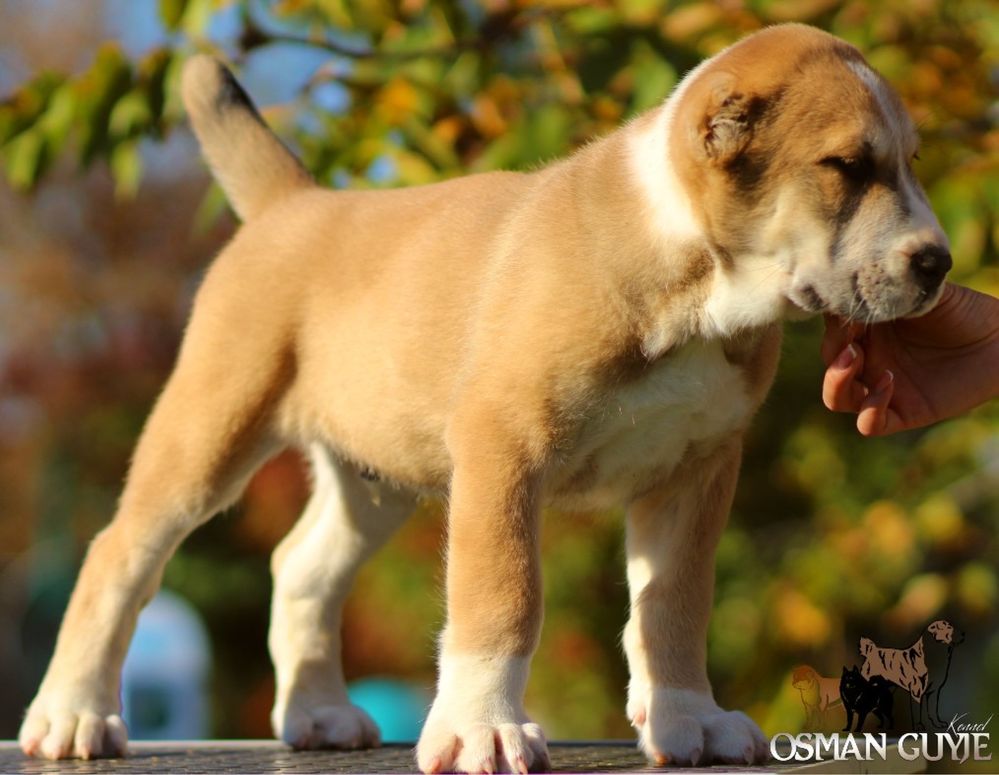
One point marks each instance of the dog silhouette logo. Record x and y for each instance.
(818, 694)
(921, 669)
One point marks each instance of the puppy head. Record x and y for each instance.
(791, 147)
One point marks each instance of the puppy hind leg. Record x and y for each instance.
(345, 522)
(203, 440)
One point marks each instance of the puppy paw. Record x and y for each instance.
(477, 723)
(479, 747)
(59, 732)
(679, 727)
(332, 725)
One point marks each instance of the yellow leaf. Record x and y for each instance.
(940, 521)
(397, 101)
(487, 118)
(799, 621)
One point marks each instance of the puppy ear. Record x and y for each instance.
(726, 127)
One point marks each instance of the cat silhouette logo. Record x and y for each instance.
(920, 669)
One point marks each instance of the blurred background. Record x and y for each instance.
(108, 220)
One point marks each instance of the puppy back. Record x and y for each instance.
(250, 163)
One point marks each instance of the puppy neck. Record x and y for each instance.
(746, 291)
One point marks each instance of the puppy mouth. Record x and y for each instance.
(857, 307)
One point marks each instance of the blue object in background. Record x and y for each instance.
(163, 681)
(397, 707)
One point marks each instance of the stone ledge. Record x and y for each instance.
(260, 757)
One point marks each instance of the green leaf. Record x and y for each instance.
(212, 207)
(197, 14)
(130, 116)
(590, 20)
(97, 92)
(464, 77)
(172, 12)
(126, 166)
(547, 133)
(173, 107)
(24, 106)
(153, 72)
(419, 136)
(654, 77)
(413, 169)
(26, 159)
(59, 118)
(338, 13)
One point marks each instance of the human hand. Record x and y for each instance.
(914, 371)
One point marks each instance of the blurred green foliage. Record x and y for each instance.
(833, 536)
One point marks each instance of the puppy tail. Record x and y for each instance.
(250, 163)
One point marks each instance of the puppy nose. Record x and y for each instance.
(929, 264)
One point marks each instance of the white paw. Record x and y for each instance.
(332, 725)
(680, 727)
(479, 747)
(477, 723)
(56, 731)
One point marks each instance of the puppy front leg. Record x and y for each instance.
(671, 540)
(477, 722)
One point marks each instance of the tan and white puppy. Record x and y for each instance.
(593, 333)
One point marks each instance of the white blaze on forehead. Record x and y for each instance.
(873, 82)
(886, 101)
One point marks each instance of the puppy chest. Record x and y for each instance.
(637, 434)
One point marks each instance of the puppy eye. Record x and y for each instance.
(855, 169)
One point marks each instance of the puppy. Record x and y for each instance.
(594, 333)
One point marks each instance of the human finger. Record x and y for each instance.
(841, 390)
(876, 417)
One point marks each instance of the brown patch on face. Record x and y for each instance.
(776, 98)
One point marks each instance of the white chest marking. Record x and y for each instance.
(641, 433)
(748, 295)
